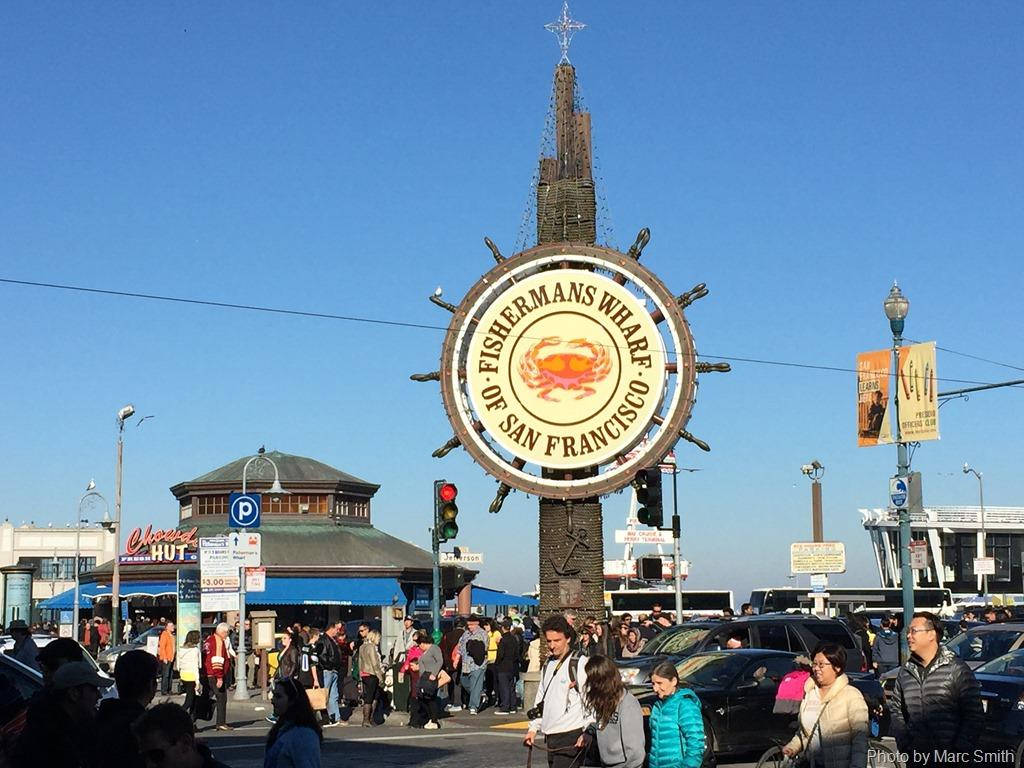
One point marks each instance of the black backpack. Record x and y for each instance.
(477, 651)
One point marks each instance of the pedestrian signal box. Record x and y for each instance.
(445, 510)
(648, 496)
(649, 568)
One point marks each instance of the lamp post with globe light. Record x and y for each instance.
(896, 307)
(90, 494)
(983, 550)
(275, 492)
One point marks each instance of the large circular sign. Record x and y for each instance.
(566, 369)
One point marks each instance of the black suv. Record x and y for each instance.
(792, 632)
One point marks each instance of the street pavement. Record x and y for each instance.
(464, 741)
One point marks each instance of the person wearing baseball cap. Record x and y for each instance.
(64, 733)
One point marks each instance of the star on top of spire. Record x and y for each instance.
(564, 28)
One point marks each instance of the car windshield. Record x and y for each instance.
(1008, 664)
(676, 642)
(983, 646)
(711, 670)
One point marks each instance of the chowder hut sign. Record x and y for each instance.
(160, 546)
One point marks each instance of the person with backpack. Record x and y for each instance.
(559, 711)
(472, 653)
(886, 648)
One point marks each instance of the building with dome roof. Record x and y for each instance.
(324, 559)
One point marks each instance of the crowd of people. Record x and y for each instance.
(581, 706)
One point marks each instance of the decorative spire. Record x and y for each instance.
(564, 28)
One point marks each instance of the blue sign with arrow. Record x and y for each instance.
(244, 510)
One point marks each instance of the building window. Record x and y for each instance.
(64, 567)
(209, 505)
(295, 504)
(998, 547)
(349, 507)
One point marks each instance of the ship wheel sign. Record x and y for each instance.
(567, 368)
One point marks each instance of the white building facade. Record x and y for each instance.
(955, 536)
(51, 551)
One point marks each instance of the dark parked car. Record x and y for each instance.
(1002, 696)
(737, 691)
(789, 632)
(986, 642)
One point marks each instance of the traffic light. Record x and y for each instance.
(648, 496)
(445, 510)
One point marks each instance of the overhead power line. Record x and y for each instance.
(397, 323)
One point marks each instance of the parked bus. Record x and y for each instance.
(695, 603)
(876, 601)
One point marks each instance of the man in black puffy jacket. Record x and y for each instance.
(936, 701)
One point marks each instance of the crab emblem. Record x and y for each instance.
(586, 364)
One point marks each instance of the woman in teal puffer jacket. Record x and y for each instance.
(677, 728)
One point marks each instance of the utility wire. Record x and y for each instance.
(392, 323)
(974, 357)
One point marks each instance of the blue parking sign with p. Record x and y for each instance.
(244, 510)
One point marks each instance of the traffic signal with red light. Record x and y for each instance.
(648, 496)
(445, 510)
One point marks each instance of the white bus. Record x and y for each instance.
(875, 601)
(695, 602)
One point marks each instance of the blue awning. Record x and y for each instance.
(485, 596)
(65, 601)
(88, 592)
(328, 591)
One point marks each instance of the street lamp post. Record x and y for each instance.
(241, 678)
(814, 471)
(115, 588)
(90, 493)
(984, 533)
(896, 307)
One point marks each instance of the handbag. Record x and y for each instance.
(443, 678)
(317, 698)
(803, 760)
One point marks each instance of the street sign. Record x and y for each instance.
(899, 494)
(246, 549)
(817, 557)
(819, 583)
(218, 570)
(643, 536)
(244, 510)
(919, 555)
(215, 602)
(984, 566)
(256, 579)
(463, 557)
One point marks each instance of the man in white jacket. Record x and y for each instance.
(559, 695)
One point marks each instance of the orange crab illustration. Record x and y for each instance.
(576, 370)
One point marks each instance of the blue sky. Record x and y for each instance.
(347, 158)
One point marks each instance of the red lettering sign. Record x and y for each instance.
(177, 540)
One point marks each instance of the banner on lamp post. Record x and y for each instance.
(874, 426)
(917, 392)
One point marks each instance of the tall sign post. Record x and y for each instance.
(563, 359)
(245, 512)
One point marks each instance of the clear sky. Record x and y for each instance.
(349, 157)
